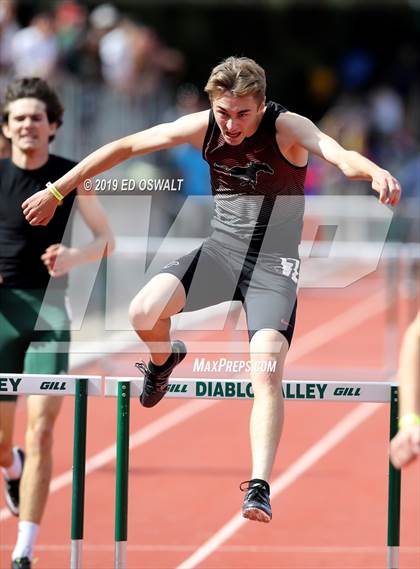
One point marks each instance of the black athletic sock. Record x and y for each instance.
(163, 367)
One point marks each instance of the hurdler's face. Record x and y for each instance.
(237, 117)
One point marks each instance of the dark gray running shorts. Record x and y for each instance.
(265, 283)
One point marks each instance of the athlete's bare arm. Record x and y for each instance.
(297, 134)
(60, 259)
(39, 208)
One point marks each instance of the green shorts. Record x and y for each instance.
(33, 339)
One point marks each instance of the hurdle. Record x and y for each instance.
(79, 387)
(124, 388)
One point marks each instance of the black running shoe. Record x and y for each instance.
(11, 488)
(256, 504)
(21, 563)
(156, 379)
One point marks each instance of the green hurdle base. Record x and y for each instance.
(394, 490)
(122, 466)
(79, 470)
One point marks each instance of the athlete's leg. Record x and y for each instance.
(199, 279)
(47, 354)
(270, 304)
(35, 482)
(150, 312)
(42, 414)
(13, 343)
(268, 350)
(7, 417)
(11, 459)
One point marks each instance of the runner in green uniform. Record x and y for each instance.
(34, 331)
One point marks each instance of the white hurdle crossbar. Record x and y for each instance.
(80, 387)
(204, 388)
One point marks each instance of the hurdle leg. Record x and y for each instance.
(394, 491)
(121, 490)
(79, 465)
(392, 312)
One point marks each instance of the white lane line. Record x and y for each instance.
(331, 439)
(140, 437)
(302, 346)
(344, 322)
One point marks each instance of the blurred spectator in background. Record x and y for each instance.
(376, 124)
(347, 122)
(188, 160)
(155, 60)
(35, 48)
(321, 86)
(132, 56)
(102, 20)
(85, 61)
(189, 164)
(70, 25)
(8, 29)
(389, 140)
(355, 68)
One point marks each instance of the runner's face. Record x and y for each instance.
(28, 126)
(237, 117)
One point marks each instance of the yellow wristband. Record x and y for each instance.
(53, 190)
(409, 420)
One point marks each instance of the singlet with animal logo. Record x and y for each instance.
(258, 193)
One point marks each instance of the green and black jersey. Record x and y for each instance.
(21, 244)
(34, 327)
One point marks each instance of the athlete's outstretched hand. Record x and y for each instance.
(387, 186)
(40, 208)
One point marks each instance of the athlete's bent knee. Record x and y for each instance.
(143, 313)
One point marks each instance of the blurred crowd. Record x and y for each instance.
(100, 45)
(383, 125)
(117, 75)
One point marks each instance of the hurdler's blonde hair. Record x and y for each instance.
(239, 76)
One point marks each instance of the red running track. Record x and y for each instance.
(184, 481)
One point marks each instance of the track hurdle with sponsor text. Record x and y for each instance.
(228, 389)
(80, 387)
(124, 388)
